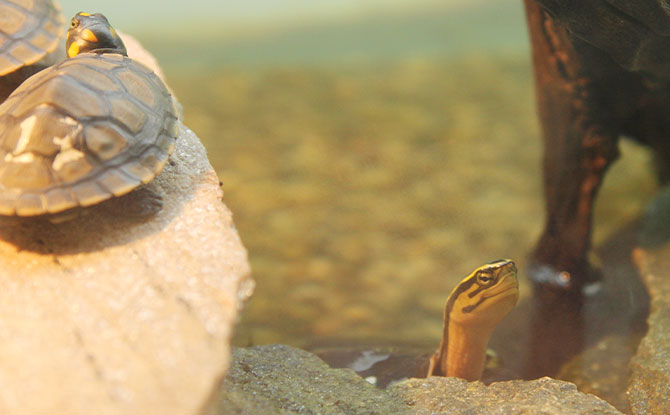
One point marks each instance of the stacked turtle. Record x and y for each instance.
(30, 33)
(96, 125)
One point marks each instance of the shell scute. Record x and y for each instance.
(71, 165)
(41, 41)
(59, 199)
(153, 158)
(60, 92)
(44, 132)
(135, 169)
(28, 176)
(22, 51)
(127, 112)
(118, 182)
(31, 31)
(12, 19)
(98, 63)
(30, 204)
(94, 79)
(8, 203)
(6, 61)
(26, 4)
(89, 193)
(138, 87)
(166, 143)
(105, 141)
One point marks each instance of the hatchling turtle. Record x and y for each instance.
(30, 32)
(472, 310)
(96, 125)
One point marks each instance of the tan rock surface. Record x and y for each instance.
(136, 51)
(127, 309)
(543, 396)
(282, 380)
(649, 383)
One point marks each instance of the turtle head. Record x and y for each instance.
(485, 296)
(92, 33)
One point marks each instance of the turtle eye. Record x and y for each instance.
(484, 278)
(74, 23)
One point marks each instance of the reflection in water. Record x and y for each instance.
(586, 340)
(557, 327)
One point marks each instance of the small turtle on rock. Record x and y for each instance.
(96, 125)
(30, 32)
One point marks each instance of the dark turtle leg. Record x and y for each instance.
(650, 124)
(580, 142)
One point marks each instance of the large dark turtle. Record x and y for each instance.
(96, 125)
(30, 32)
(602, 71)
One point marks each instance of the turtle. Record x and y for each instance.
(472, 310)
(30, 33)
(602, 72)
(96, 125)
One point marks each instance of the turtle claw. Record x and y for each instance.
(585, 279)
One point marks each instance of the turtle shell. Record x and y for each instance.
(634, 33)
(30, 35)
(89, 128)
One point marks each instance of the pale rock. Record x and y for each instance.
(282, 380)
(128, 308)
(649, 383)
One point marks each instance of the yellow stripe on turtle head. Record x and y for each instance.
(89, 36)
(73, 50)
(84, 14)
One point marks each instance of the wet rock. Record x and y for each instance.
(382, 365)
(649, 385)
(655, 226)
(283, 380)
(602, 369)
(128, 308)
(454, 396)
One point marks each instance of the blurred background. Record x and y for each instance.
(373, 152)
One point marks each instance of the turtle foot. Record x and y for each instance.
(584, 279)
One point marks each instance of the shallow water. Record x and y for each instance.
(365, 192)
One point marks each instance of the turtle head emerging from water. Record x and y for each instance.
(92, 33)
(485, 296)
(473, 310)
